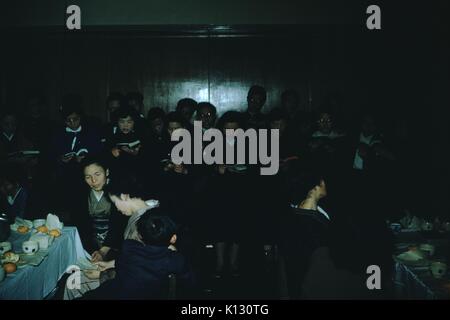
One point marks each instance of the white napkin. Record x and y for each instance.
(53, 222)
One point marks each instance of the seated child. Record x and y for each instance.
(144, 265)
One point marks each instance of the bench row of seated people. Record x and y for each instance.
(210, 203)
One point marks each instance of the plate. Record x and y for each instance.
(32, 260)
(411, 258)
(26, 223)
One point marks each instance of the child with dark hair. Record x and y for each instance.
(303, 230)
(135, 100)
(124, 197)
(125, 145)
(143, 267)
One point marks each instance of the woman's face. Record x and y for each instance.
(95, 176)
(73, 121)
(126, 125)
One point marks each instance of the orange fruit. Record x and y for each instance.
(42, 229)
(55, 233)
(10, 267)
(23, 229)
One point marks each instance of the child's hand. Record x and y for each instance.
(105, 265)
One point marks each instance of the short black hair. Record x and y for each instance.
(230, 116)
(156, 229)
(71, 103)
(126, 111)
(255, 89)
(155, 113)
(208, 105)
(94, 159)
(175, 117)
(187, 102)
(306, 180)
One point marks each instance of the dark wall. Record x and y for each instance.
(315, 61)
(401, 71)
(163, 12)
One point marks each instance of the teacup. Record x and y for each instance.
(43, 241)
(427, 248)
(438, 269)
(39, 222)
(30, 247)
(5, 247)
(2, 274)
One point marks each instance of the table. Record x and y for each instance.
(35, 283)
(417, 282)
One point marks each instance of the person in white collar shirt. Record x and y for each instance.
(370, 145)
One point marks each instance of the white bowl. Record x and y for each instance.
(39, 222)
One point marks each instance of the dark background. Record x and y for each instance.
(214, 50)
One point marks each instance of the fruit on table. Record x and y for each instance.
(10, 267)
(8, 254)
(55, 233)
(10, 257)
(42, 229)
(23, 229)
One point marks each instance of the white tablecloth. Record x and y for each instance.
(35, 283)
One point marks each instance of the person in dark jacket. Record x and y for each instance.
(144, 265)
(303, 231)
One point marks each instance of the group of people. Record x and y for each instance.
(143, 218)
